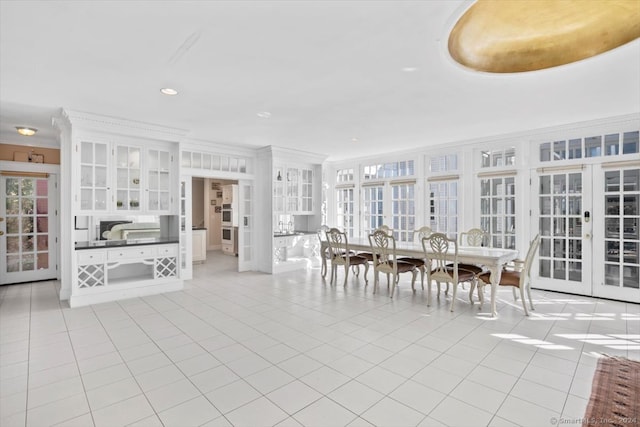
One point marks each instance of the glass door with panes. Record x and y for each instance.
(373, 208)
(128, 178)
(498, 210)
(403, 211)
(27, 229)
(616, 233)
(562, 215)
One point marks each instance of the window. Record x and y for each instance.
(389, 170)
(614, 144)
(344, 175)
(497, 210)
(373, 208)
(344, 210)
(498, 158)
(443, 207)
(403, 211)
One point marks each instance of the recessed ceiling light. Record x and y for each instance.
(410, 69)
(264, 115)
(354, 140)
(25, 131)
(168, 91)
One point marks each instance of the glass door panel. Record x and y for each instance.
(621, 239)
(373, 213)
(27, 228)
(565, 245)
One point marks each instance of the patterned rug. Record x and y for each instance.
(615, 394)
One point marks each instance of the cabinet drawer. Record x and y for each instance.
(167, 250)
(130, 253)
(91, 257)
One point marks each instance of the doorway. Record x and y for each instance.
(28, 232)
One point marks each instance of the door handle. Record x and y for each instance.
(1, 233)
(587, 236)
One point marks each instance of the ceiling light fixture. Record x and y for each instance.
(25, 131)
(264, 115)
(510, 37)
(169, 91)
(355, 140)
(410, 69)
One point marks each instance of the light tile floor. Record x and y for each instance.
(259, 350)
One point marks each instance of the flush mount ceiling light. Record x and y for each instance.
(410, 69)
(169, 91)
(264, 114)
(500, 36)
(25, 131)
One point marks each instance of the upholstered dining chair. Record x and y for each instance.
(421, 233)
(340, 255)
(384, 228)
(519, 277)
(325, 255)
(473, 237)
(439, 251)
(383, 248)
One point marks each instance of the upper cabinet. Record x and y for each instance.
(293, 189)
(116, 177)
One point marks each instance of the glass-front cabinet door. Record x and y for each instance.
(306, 189)
(293, 190)
(94, 176)
(279, 176)
(159, 184)
(128, 178)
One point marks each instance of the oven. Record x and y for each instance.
(227, 236)
(227, 215)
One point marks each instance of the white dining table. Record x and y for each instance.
(494, 259)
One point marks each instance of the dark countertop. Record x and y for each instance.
(102, 244)
(198, 228)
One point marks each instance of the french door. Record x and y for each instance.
(246, 238)
(617, 239)
(27, 229)
(562, 214)
(391, 204)
(589, 221)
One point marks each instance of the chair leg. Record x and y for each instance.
(393, 285)
(530, 300)
(366, 270)
(346, 273)
(453, 298)
(471, 289)
(429, 293)
(515, 294)
(413, 280)
(323, 267)
(422, 271)
(524, 301)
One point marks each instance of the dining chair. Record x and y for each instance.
(518, 277)
(324, 248)
(369, 255)
(439, 252)
(422, 232)
(383, 248)
(474, 237)
(340, 255)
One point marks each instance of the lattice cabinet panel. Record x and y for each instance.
(91, 276)
(166, 267)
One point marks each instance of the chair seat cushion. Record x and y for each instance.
(463, 275)
(367, 255)
(469, 267)
(508, 278)
(403, 267)
(356, 259)
(418, 262)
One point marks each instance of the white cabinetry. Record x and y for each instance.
(125, 272)
(199, 245)
(293, 190)
(292, 252)
(116, 177)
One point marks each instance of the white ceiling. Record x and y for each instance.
(327, 71)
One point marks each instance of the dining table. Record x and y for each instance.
(493, 259)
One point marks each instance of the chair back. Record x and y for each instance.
(322, 233)
(423, 232)
(439, 251)
(338, 246)
(474, 237)
(383, 248)
(531, 254)
(385, 228)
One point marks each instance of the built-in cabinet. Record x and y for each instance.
(123, 272)
(293, 190)
(199, 245)
(296, 251)
(117, 178)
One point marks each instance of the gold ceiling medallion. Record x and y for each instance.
(510, 36)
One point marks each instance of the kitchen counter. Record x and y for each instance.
(293, 233)
(101, 244)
